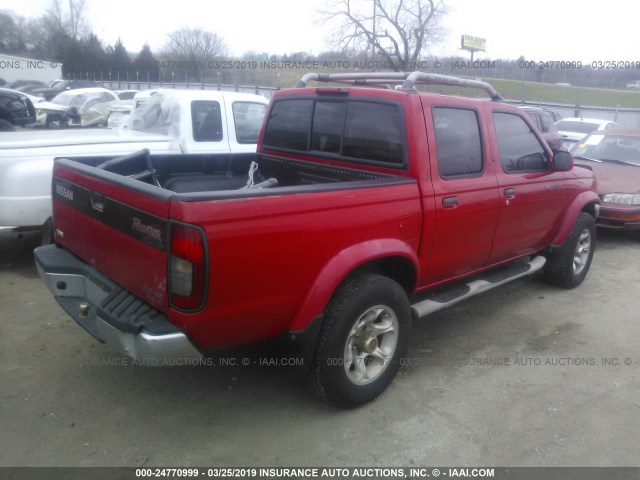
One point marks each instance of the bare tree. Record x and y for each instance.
(192, 49)
(67, 17)
(398, 31)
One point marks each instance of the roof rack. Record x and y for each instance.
(407, 80)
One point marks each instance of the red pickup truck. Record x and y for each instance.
(363, 209)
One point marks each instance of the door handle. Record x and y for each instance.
(509, 192)
(450, 202)
(97, 202)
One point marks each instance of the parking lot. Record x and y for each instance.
(524, 375)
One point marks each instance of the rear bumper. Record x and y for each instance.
(109, 313)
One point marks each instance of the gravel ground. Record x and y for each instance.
(524, 375)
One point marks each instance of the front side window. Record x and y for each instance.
(458, 144)
(518, 146)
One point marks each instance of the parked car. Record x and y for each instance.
(58, 86)
(25, 85)
(554, 115)
(614, 157)
(126, 95)
(16, 109)
(120, 111)
(200, 122)
(83, 107)
(544, 122)
(634, 85)
(573, 130)
(353, 219)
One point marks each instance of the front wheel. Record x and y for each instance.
(364, 335)
(575, 255)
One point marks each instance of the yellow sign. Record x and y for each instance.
(473, 43)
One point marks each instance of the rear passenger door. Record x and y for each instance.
(532, 195)
(465, 188)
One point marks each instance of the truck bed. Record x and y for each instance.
(201, 177)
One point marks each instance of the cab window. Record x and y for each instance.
(518, 146)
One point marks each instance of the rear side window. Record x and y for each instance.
(458, 144)
(371, 132)
(207, 121)
(519, 148)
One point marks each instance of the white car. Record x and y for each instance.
(221, 126)
(82, 107)
(120, 110)
(573, 130)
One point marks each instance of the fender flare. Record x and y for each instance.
(573, 210)
(336, 269)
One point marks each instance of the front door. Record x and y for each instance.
(532, 195)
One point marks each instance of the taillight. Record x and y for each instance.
(187, 267)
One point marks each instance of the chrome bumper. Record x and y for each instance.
(86, 295)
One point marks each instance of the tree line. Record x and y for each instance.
(386, 35)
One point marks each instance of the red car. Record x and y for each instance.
(614, 156)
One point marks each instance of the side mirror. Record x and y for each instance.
(562, 161)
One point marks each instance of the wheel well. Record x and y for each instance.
(399, 269)
(590, 208)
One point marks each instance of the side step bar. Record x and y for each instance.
(475, 287)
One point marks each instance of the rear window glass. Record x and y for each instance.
(328, 123)
(573, 126)
(289, 125)
(362, 130)
(373, 131)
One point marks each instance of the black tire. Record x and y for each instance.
(574, 258)
(365, 305)
(6, 126)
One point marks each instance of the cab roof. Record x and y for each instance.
(403, 81)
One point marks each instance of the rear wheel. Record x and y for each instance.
(364, 335)
(576, 254)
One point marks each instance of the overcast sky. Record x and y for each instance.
(539, 30)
